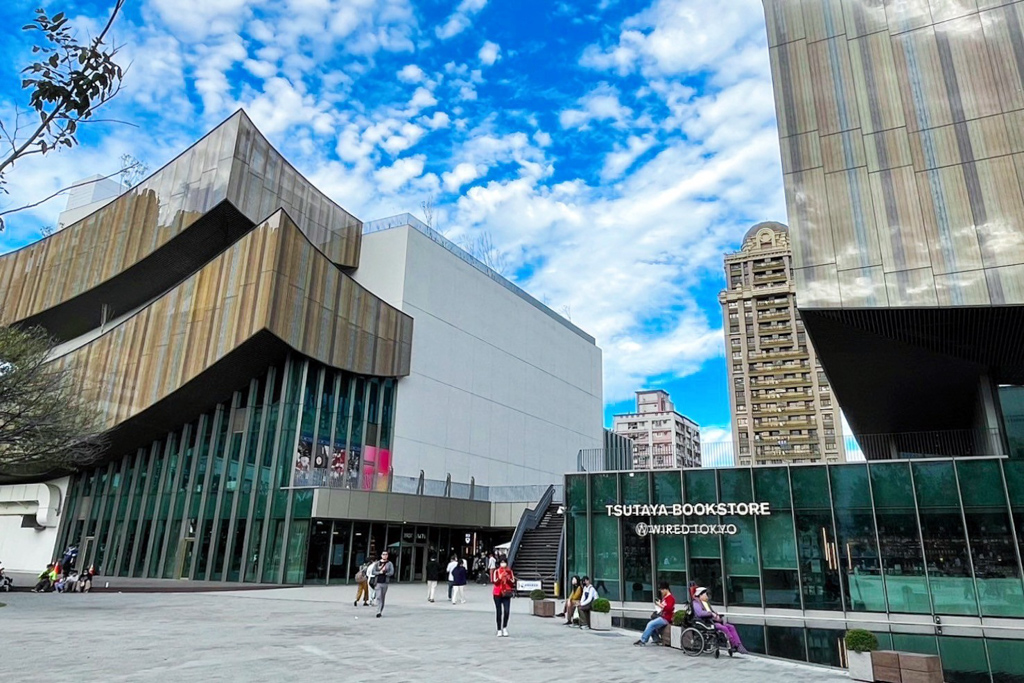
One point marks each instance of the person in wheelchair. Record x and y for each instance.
(710, 618)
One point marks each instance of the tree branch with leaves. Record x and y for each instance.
(71, 81)
(46, 422)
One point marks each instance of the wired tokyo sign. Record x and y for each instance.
(688, 510)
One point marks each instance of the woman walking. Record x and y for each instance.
(504, 585)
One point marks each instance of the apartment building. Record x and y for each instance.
(662, 438)
(782, 405)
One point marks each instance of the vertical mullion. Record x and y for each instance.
(161, 494)
(274, 464)
(190, 478)
(380, 419)
(268, 394)
(835, 531)
(229, 438)
(920, 539)
(240, 483)
(218, 415)
(141, 522)
(123, 532)
(291, 489)
(350, 418)
(186, 436)
(796, 549)
(967, 538)
(1013, 524)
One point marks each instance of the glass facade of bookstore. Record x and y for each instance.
(940, 538)
(228, 497)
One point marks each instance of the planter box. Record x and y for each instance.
(915, 668)
(676, 637)
(861, 668)
(601, 621)
(544, 608)
(887, 666)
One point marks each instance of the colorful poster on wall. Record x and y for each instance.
(303, 462)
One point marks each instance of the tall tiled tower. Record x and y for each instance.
(783, 410)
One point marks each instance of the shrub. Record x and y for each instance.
(602, 605)
(537, 594)
(679, 619)
(859, 640)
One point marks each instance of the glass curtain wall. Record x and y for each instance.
(937, 537)
(221, 498)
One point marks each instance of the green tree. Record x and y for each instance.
(46, 422)
(72, 79)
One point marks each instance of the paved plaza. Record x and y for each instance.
(315, 634)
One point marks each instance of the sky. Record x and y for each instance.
(611, 151)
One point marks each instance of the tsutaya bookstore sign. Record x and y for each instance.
(688, 510)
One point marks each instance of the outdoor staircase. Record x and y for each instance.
(537, 556)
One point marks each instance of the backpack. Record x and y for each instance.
(360, 576)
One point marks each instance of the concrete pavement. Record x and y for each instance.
(315, 633)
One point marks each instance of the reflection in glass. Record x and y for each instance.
(996, 571)
(816, 539)
(855, 534)
(606, 554)
(786, 642)
(636, 561)
(945, 545)
(899, 538)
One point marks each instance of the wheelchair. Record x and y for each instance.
(701, 637)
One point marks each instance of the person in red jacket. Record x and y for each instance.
(504, 585)
(666, 609)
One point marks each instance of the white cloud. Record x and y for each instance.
(460, 19)
(489, 53)
(460, 175)
(600, 104)
(411, 73)
(619, 161)
(436, 122)
(677, 36)
(400, 173)
(422, 99)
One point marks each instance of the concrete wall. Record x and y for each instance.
(29, 549)
(499, 390)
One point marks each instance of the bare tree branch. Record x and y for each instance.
(69, 187)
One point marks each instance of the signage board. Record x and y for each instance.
(688, 510)
(527, 586)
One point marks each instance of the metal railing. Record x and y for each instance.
(528, 521)
(603, 460)
(422, 486)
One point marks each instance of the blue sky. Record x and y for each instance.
(612, 151)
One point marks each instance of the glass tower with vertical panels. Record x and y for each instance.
(925, 553)
(228, 496)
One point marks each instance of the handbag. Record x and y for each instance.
(373, 582)
(507, 593)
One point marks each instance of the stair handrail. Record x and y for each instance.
(528, 521)
(559, 568)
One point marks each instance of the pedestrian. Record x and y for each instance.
(383, 572)
(44, 583)
(573, 600)
(666, 608)
(702, 610)
(586, 603)
(362, 585)
(452, 564)
(459, 576)
(433, 569)
(85, 579)
(492, 564)
(504, 585)
(371, 581)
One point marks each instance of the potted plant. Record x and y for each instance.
(676, 629)
(859, 646)
(541, 606)
(600, 615)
